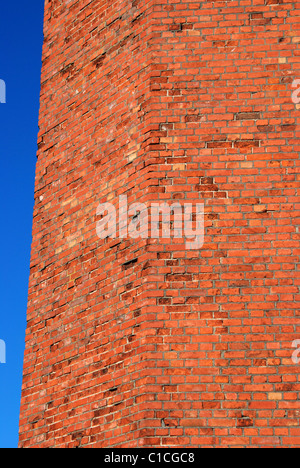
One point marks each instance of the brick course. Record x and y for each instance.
(144, 343)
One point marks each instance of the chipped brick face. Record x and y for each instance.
(144, 343)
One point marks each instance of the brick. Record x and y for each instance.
(143, 342)
(247, 116)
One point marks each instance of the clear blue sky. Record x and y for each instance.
(21, 36)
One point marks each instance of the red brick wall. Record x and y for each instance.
(141, 343)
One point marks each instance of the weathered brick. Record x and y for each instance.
(141, 342)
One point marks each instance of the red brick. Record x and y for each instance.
(143, 343)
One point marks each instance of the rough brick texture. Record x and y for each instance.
(144, 343)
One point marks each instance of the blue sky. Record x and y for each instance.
(21, 36)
